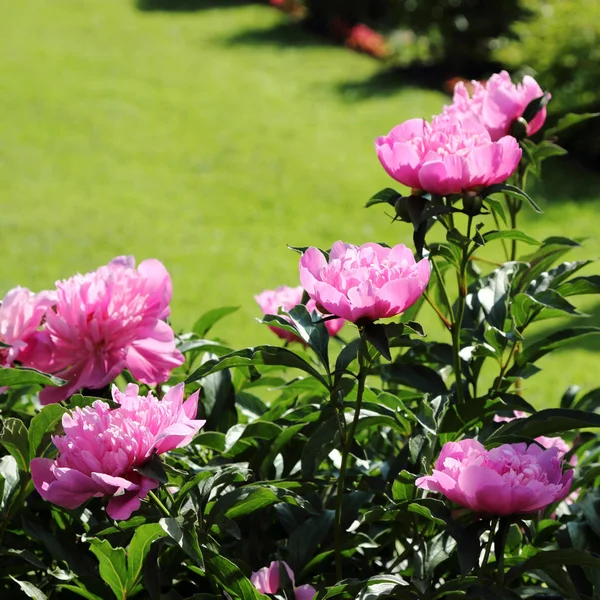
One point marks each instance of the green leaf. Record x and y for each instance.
(568, 121)
(231, 578)
(545, 305)
(204, 346)
(386, 196)
(319, 445)
(26, 376)
(9, 483)
(416, 376)
(204, 324)
(569, 556)
(555, 340)
(547, 422)
(113, 569)
(314, 333)
(277, 445)
(30, 590)
(433, 510)
(510, 234)
(44, 422)
(138, 549)
(154, 468)
(14, 438)
(510, 190)
(345, 358)
(250, 498)
(375, 333)
(185, 536)
(261, 355)
(580, 285)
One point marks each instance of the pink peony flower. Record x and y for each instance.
(367, 282)
(266, 581)
(21, 315)
(101, 448)
(287, 298)
(446, 156)
(497, 104)
(508, 480)
(107, 321)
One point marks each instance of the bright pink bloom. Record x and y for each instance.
(101, 448)
(266, 581)
(21, 315)
(497, 104)
(446, 156)
(286, 297)
(367, 282)
(106, 321)
(508, 480)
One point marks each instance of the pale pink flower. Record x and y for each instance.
(266, 581)
(102, 447)
(511, 479)
(21, 315)
(285, 297)
(367, 282)
(106, 321)
(497, 104)
(447, 156)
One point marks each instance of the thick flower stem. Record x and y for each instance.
(158, 503)
(346, 446)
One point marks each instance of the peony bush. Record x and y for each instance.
(356, 456)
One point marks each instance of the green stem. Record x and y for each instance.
(158, 503)
(499, 544)
(437, 311)
(346, 446)
(445, 295)
(488, 546)
(501, 240)
(458, 316)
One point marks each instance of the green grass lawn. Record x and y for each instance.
(202, 139)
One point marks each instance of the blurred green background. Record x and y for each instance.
(210, 138)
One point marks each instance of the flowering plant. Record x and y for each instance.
(377, 461)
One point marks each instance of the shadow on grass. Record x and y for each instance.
(282, 35)
(388, 82)
(188, 5)
(565, 178)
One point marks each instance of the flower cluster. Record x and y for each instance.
(93, 326)
(469, 146)
(267, 581)
(102, 448)
(497, 104)
(511, 479)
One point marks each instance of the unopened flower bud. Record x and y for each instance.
(518, 128)
(401, 208)
(472, 203)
